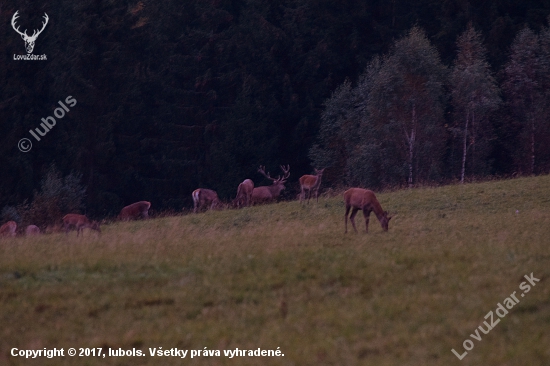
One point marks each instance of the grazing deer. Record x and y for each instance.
(32, 230)
(310, 183)
(365, 200)
(204, 197)
(8, 229)
(135, 210)
(51, 229)
(269, 193)
(79, 223)
(244, 193)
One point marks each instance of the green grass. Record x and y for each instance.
(220, 279)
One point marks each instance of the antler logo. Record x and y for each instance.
(29, 40)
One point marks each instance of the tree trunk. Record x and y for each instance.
(411, 139)
(473, 132)
(465, 147)
(532, 146)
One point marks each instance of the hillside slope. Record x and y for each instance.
(286, 275)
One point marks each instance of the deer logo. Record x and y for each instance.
(29, 40)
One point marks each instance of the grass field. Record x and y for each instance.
(285, 275)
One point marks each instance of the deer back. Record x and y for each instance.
(261, 193)
(135, 210)
(248, 186)
(244, 192)
(32, 230)
(362, 199)
(309, 181)
(75, 219)
(8, 229)
(208, 195)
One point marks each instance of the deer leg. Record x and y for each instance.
(366, 213)
(352, 217)
(346, 217)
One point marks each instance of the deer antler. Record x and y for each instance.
(286, 171)
(13, 19)
(35, 34)
(261, 170)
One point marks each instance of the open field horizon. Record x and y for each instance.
(285, 275)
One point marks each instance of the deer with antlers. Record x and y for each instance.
(244, 193)
(203, 197)
(272, 192)
(365, 200)
(29, 40)
(311, 183)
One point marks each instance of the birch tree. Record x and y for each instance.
(407, 101)
(474, 92)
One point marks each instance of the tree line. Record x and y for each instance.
(410, 119)
(175, 95)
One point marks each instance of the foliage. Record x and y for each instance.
(475, 94)
(390, 124)
(525, 86)
(57, 196)
(407, 105)
(175, 95)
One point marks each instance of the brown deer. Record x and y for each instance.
(52, 229)
(270, 193)
(32, 230)
(8, 229)
(244, 193)
(79, 222)
(135, 210)
(311, 183)
(203, 197)
(365, 200)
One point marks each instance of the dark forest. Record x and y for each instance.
(174, 95)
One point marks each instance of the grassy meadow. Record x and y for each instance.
(285, 275)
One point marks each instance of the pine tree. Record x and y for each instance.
(524, 91)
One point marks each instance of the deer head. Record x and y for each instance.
(278, 183)
(29, 40)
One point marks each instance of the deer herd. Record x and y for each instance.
(355, 199)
